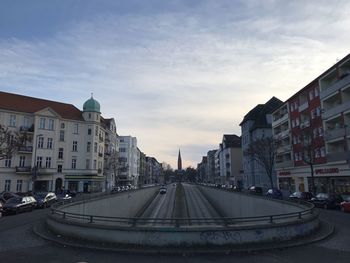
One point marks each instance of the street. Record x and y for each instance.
(18, 243)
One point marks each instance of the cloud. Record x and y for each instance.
(179, 74)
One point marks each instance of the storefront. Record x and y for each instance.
(327, 179)
(84, 184)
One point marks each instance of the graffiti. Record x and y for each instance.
(152, 236)
(211, 236)
(283, 233)
(301, 229)
(259, 235)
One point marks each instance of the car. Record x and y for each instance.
(162, 190)
(257, 190)
(345, 205)
(304, 196)
(45, 199)
(63, 197)
(18, 204)
(1, 209)
(274, 193)
(327, 201)
(237, 188)
(4, 196)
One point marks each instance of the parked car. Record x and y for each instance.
(4, 196)
(345, 205)
(162, 190)
(45, 199)
(327, 201)
(63, 197)
(19, 204)
(256, 190)
(237, 188)
(1, 209)
(274, 193)
(304, 196)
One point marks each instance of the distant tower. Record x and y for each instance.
(179, 162)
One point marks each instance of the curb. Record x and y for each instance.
(324, 231)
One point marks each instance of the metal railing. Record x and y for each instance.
(309, 212)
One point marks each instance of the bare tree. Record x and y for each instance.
(10, 141)
(308, 154)
(263, 151)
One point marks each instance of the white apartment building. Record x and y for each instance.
(128, 160)
(66, 147)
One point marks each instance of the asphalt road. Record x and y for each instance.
(19, 244)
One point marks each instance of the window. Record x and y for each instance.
(122, 150)
(49, 143)
(323, 151)
(95, 147)
(42, 123)
(320, 131)
(60, 153)
(76, 128)
(88, 147)
(25, 122)
(41, 142)
(22, 160)
(318, 111)
(87, 166)
(39, 161)
(74, 163)
(96, 131)
(89, 131)
(311, 94)
(292, 107)
(48, 162)
(59, 168)
(51, 124)
(75, 146)
(19, 185)
(97, 117)
(95, 163)
(61, 136)
(7, 185)
(297, 122)
(89, 115)
(316, 92)
(8, 162)
(293, 123)
(62, 125)
(12, 121)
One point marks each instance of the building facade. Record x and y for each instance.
(257, 124)
(65, 146)
(128, 160)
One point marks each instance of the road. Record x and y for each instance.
(197, 205)
(19, 244)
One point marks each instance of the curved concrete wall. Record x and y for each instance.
(125, 204)
(233, 204)
(185, 237)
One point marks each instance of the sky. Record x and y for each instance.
(174, 74)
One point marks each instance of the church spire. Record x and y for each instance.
(179, 162)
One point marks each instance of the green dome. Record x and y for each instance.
(91, 105)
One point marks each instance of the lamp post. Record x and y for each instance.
(35, 168)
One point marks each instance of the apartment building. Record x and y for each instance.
(211, 166)
(257, 124)
(128, 160)
(65, 146)
(310, 129)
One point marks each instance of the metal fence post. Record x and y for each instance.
(91, 219)
(271, 220)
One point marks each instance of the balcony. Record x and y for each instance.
(303, 106)
(339, 108)
(334, 87)
(99, 171)
(100, 154)
(284, 148)
(284, 164)
(280, 120)
(282, 134)
(44, 171)
(26, 129)
(304, 124)
(335, 133)
(25, 149)
(100, 138)
(338, 156)
(23, 169)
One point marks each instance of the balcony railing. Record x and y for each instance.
(282, 134)
(100, 138)
(25, 149)
(334, 87)
(99, 171)
(337, 109)
(27, 129)
(279, 120)
(338, 156)
(100, 154)
(335, 133)
(303, 106)
(23, 169)
(284, 164)
(43, 171)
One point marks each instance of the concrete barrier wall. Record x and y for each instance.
(125, 204)
(183, 237)
(233, 204)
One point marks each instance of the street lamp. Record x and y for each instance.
(35, 168)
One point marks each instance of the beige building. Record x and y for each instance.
(68, 148)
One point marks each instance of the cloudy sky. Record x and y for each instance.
(175, 74)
